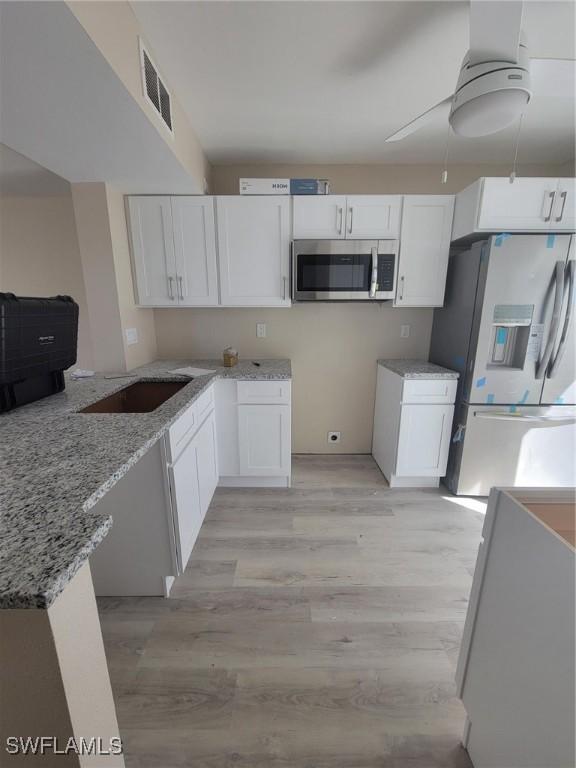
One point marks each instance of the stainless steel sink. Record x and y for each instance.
(139, 397)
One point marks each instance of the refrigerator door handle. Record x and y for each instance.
(542, 365)
(570, 273)
(504, 416)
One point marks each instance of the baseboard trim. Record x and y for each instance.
(241, 481)
(413, 482)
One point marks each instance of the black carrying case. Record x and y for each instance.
(38, 341)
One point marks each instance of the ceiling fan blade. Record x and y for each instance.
(421, 121)
(494, 30)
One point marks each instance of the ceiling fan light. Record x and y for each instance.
(489, 113)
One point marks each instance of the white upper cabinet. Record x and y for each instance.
(424, 250)
(254, 250)
(373, 216)
(150, 224)
(527, 205)
(564, 211)
(336, 217)
(174, 250)
(320, 217)
(195, 248)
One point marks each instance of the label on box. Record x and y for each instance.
(264, 186)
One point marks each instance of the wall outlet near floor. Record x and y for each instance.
(333, 437)
(404, 331)
(261, 330)
(131, 335)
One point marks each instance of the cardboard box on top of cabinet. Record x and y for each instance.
(284, 186)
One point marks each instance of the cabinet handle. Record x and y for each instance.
(551, 195)
(284, 286)
(563, 198)
(170, 288)
(351, 212)
(180, 289)
(339, 219)
(401, 287)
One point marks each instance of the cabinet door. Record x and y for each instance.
(207, 462)
(319, 216)
(186, 501)
(254, 250)
(373, 216)
(524, 206)
(195, 248)
(564, 212)
(424, 440)
(151, 235)
(424, 249)
(264, 439)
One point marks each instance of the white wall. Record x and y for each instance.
(39, 255)
(382, 179)
(333, 348)
(105, 254)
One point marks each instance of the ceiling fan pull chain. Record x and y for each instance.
(515, 163)
(444, 177)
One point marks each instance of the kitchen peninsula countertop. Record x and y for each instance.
(56, 463)
(418, 369)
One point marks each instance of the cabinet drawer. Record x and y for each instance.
(183, 429)
(264, 392)
(204, 404)
(429, 390)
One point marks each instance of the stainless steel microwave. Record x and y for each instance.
(344, 270)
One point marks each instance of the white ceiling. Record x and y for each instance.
(328, 81)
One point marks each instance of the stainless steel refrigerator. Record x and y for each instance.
(508, 328)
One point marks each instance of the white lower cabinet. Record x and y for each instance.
(207, 462)
(423, 440)
(236, 433)
(412, 427)
(254, 433)
(264, 439)
(185, 491)
(193, 480)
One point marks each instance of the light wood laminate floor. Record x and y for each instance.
(315, 627)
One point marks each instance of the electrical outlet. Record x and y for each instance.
(131, 335)
(333, 437)
(404, 331)
(261, 330)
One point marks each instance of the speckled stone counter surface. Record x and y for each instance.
(418, 369)
(56, 463)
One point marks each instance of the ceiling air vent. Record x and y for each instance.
(155, 90)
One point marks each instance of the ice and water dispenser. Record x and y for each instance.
(514, 336)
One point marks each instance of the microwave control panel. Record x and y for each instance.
(386, 272)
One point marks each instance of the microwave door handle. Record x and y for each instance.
(374, 279)
(571, 273)
(558, 298)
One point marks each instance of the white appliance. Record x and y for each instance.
(508, 327)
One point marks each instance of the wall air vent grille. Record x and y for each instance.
(155, 90)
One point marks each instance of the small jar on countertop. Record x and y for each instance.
(230, 356)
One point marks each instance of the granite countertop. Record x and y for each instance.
(418, 369)
(56, 463)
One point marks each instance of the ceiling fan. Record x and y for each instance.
(493, 87)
